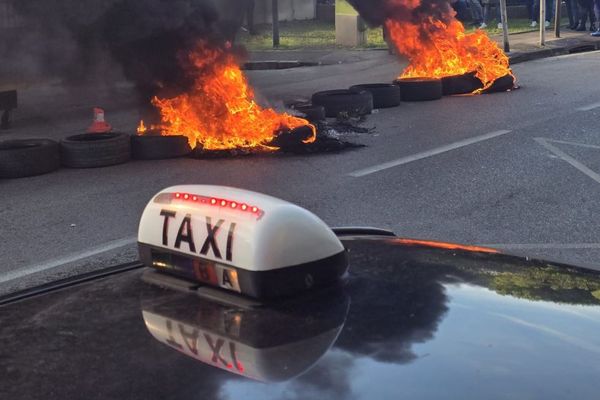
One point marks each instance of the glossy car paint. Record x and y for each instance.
(409, 321)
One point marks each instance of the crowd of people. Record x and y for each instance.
(482, 12)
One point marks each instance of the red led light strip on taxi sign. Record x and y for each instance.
(217, 202)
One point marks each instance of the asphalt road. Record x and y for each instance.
(519, 171)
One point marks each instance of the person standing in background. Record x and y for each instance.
(586, 9)
(250, 16)
(549, 12)
(460, 6)
(573, 13)
(597, 12)
(476, 13)
(487, 5)
(530, 4)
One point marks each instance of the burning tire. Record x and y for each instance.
(344, 101)
(312, 113)
(21, 158)
(420, 89)
(155, 147)
(502, 84)
(91, 150)
(385, 95)
(291, 140)
(460, 84)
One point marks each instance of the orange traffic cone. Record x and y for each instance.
(99, 125)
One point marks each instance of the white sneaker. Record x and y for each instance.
(533, 24)
(499, 25)
(483, 25)
(547, 24)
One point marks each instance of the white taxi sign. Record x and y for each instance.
(238, 240)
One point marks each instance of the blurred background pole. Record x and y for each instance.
(543, 22)
(557, 16)
(504, 19)
(275, 8)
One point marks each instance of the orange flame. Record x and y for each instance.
(438, 46)
(141, 129)
(220, 112)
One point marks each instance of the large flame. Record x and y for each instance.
(220, 111)
(437, 45)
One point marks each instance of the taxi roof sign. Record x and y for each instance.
(239, 240)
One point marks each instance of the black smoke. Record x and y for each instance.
(83, 41)
(376, 12)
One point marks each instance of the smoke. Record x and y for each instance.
(376, 12)
(83, 41)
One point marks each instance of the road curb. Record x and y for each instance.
(581, 47)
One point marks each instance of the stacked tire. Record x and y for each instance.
(93, 150)
(385, 95)
(105, 149)
(344, 102)
(461, 84)
(28, 157)
(420, 89)
(312, 113)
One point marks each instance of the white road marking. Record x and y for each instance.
(32, 269)
(565, 157)
(589, 107)
(429, 153)
(589, 146)
(542, 246)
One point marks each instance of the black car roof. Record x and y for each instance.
(410, 321)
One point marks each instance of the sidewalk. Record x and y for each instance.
(523, 46)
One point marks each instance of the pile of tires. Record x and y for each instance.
(30, 157)
(427, 89)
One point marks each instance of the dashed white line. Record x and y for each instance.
(589, 107)
(22, 272)
(429, 153)
(565, 157)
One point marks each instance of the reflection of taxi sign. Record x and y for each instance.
(243, 341)
(238, 240)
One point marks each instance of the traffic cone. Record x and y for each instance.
(99, 125)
